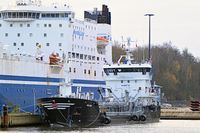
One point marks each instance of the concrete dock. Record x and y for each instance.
(180, 114)
(20, 119)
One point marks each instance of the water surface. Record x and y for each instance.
(164, 126)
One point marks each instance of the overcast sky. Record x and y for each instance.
(177, 21)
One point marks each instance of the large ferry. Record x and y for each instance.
(43, 48)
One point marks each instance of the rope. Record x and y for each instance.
(94, 119)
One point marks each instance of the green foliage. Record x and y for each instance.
(178, 72)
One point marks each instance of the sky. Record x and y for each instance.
(175, 21)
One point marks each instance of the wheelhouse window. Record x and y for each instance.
(33, 15)
(118, 70)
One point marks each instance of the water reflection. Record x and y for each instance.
(164, 126)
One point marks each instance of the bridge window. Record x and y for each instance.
(114, 70)
(21, 15)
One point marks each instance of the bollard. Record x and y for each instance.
(4, 122)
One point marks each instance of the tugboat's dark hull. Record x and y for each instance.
(70, 112)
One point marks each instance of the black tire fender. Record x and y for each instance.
(134, 118)
(143, 118)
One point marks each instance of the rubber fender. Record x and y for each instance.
(143, 118)
(134, 118)
(107, 120)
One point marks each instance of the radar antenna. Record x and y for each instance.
(127, 47)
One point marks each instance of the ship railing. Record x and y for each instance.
(21, 57)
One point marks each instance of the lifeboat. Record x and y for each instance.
(54, 59)
(102, 41)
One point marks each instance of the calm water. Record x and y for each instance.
(164, 126)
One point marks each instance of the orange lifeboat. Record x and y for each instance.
(54, 59)
(102, 41)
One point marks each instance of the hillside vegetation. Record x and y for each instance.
(178, 72)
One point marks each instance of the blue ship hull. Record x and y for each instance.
(22, 97)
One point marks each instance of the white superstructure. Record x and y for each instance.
(131, 81)
(32, 33)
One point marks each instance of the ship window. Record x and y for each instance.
(21, 25)
(52, 15)
(77, 55)
(85, 71)
(61, 34)
(121, 81)
(29, 15)
(81, 56)
(97, 58)
(88, 71)
(22, 44)
(6, 34)
(0, 25)
(62, 15)
(33, 15)
(45, 25)
(74, 70)
(73, 55)
(11, 25)
(144, 71)
(14, 44)
(28, 25)
(20, 14)
(85, 57)
(25, 15)
(60, 44)
(69, 54)
(30, 34)
(49, 25)
(128, 81)
(18, 34)
(95, 74)
(37, 15)
(70, 69)
(57, 15)
(93, 57)
(47, 44)
(89, 57)
(45, 34)
(60, 25)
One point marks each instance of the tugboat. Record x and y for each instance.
(131, 96)
(73, 111)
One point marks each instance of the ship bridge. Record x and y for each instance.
(29, 10)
